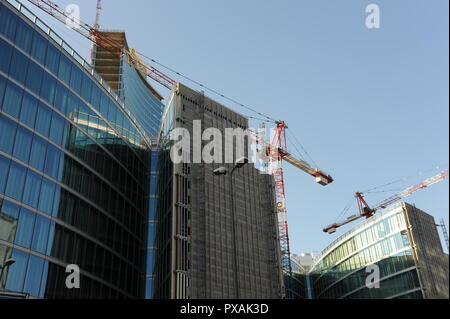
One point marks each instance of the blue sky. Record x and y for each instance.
(370, 106)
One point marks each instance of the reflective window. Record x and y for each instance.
(44, 116)
(25, 228)
(9, 216)
(48, 88)
(57, 128)
(22, 145)
(76, 78)
(8, 23)
(86, 88)
(51, 167)
(47, 196)
(5, 53)
(32, 189)
(12, 100)
(7, 132)
(24, 36)
(16, 274)
(19, 66)
(38, 151)
(64, 69)
(16, 181)
(2, 89)
(52, 59)
(61, 98)
(40, 234)
(34, 275)
(4, 170)
(39, 48)
(34, 77)
(29, 109)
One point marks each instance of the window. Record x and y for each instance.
(86, 88)
(8, 223)
(40, 234)
(72, 105)
(5, 53)
(8, 23)
(4, 168)
(16, 181)
(34, 77)
(39, 48)
(38, 150)
(64, 69)
(44, 116)
(48, 88)
(32, 189)
(7, 133)
(19, 66)
(57, 128)
(47, 196)
(52, 59)
(12, 100)
(34, 275)
(52, 161)
(16, 274)
(76, 78)
(61, 98)
(29, 109)
(24, 36)
(22, 144)
(2, 89)
(25, 228)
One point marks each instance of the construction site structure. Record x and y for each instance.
(366, 211)
(444, 231)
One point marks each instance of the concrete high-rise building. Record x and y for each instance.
(75, 167)
(204, 248)
(402, 241)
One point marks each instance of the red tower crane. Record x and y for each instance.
(366, 211)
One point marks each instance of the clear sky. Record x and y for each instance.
(370, 105)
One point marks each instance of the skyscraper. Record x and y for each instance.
(74, 167)
(205, 248)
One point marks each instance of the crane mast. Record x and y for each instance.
(366, 211)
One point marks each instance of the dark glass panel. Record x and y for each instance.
(4, 170)
(16, 181)
(16, 274)
(44, 116)
(34, 275)
(19, 67)
(29, 109)
(47, 196)
(39, 48)
(86, 88)
(6, 53)
(48, 88)
(22, 145)
(24, 36)
(57, 128)
(34, 77)
(52, 59)
(8, 23)
(76, 78)
(61, 98)
(7, 132)
(9, 217)
(40, 234)
(32, 189)
(25, 228)
(64, 69)
(38, 150)
(52, 161)
(13, 99)
(2, 89)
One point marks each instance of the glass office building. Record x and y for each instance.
(402, 241)
(74, 166)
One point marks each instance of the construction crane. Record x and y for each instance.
(102, 40)
(444, 231)
(274, 153)
(366, 211)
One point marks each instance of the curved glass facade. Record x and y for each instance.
(382, 240)
(73, 184)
